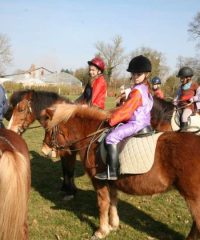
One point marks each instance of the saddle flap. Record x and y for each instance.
(137, 155)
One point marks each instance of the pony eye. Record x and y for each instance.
(20, 109)
(61, 133)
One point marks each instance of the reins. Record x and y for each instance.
(39, 126)
(90, 135)
(57, 146)
(184, 106)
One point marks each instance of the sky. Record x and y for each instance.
(60, 34)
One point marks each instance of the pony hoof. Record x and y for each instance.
(114, 228)
(101, 234)
(68, 197)
(94, 238)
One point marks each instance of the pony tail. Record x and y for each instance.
(14, 188)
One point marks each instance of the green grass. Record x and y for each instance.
(163, 217)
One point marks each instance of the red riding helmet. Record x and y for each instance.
(97, 62)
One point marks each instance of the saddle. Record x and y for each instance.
(137, 150)
(146, 131)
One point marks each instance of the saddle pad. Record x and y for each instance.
(137, 155)
(193, 121)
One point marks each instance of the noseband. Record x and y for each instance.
(26, 112)
(54, 141)
(55, 144)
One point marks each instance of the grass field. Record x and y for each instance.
(163, 217)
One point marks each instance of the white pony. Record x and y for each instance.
(193, 121)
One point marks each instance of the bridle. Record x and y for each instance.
(27, 111)
(55, 131)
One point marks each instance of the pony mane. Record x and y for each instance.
(63, 112)
(17, 96)
(162, 109)
(39, 99)
(39, 95)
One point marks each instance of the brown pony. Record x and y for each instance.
(176, 162)
(14, 186)
(27, 105)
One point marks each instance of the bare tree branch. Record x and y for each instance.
(5, 52)
(111, 53)
(194, 28)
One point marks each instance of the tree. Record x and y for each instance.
(194, 28)
(157, 60)
(82, 75)
(5, 52)
(194, 63)
(112, 54)
(170, 87)
(66, 71)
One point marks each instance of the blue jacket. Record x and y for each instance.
(3, 103)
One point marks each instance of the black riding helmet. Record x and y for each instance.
(139, 64)
(185, 72)
(155, 81)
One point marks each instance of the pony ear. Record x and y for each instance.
(28, 96)
(49, 113)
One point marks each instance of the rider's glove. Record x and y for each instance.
(191, 99)
(195, 99)
(175, 102)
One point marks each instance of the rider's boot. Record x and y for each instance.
(112, 164)
(183, 126)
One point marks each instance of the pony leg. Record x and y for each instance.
(194, 233)
(68, 165)
(26, 235)
(194, 206)
(103, 199)
(113, 214)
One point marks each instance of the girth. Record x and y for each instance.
(146, 131)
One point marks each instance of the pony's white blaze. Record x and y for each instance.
(10, 123)
(11, 127)
(47, 151)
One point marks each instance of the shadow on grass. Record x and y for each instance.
(47, 174)
(46, 180)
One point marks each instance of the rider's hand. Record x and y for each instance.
(84, 105)
(191, 100)
(121, 99)
(175, 102)
(195, 99)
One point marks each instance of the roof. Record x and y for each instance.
(62, 78)
(49, 78)
(24, 72)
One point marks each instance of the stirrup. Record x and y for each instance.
(107, 175)
(101, 176)
(111, 176)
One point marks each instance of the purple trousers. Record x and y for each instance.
(122, 131)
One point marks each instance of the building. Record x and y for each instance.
(41, 76)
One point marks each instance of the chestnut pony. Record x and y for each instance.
(176, 162)
(26, 107)
(14, 186)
